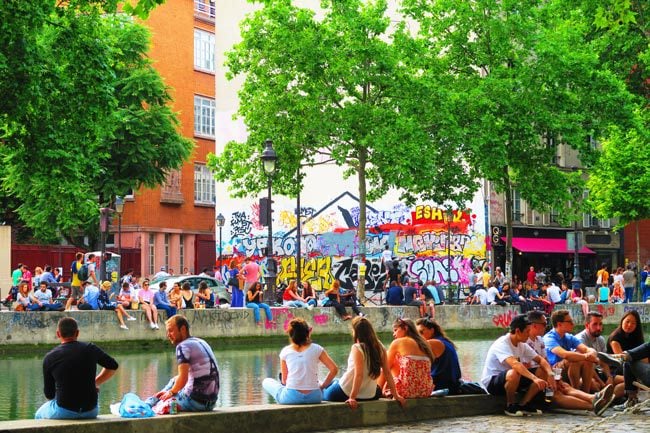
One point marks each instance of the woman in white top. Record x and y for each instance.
(299, 364)
(366, 362)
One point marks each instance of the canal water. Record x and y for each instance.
(241, 373)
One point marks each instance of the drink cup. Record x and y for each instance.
(557, 373)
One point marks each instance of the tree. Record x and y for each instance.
(84, 115)
(524, 80)
(345, 97)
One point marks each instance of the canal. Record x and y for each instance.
(146, 372)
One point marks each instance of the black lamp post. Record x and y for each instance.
(104, 215)
(269, 159)
(221, 221)
(119, 208)
(450, 216)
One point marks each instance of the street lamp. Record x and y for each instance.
(119, 208)
(221, 220)
(104, 215)
(269, 159)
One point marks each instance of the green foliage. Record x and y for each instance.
(620, 182)
(88, 120)
(340, 89)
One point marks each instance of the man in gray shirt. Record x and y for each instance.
(629, 283)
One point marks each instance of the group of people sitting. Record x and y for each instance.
(419, 360)
(536, 369)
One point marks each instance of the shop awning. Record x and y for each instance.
(544, 245)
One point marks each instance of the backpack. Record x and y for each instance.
(82, 273)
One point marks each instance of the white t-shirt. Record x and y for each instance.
(482, 296)
(368, 386)
(619, 278)
(537, 344)
(478, 278)
(553, 293)
(302, 367)
(492, 294)
(501, 350)
(387, 256)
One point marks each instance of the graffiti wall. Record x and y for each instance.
(429, 244)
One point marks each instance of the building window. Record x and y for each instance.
(204, 116)
(554, 216)
(204, 185)
(152, 255)
(205, 8)
(167, 249)
(203, 50)
(516, 206)
(181, 254)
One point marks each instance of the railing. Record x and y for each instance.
(205, 9)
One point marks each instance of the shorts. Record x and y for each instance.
(497, 383)
(76, 292)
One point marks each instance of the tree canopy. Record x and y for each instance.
(83, 114)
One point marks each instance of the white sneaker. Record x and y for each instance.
(124, 327)
(156, 325)
(310, 307)
(131, 318)
(152, 325)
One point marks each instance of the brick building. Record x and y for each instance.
(173, 225)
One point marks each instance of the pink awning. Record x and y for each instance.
(545, 245)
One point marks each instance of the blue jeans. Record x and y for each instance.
(171, 311)
(295, 304)
(51, 410)
(237, 298)
(284, 395)
(256, 311)
(185, 403)
(629, 292)
(334, 392)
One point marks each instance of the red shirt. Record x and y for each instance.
(530, 276)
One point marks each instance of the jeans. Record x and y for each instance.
(51, 410)
(256, 311)
(237, 298)
(296, 304)
(185, 403)
(284, 395)
(637, 369)
(629, 292)
(645, 290)
(334, 392)
(171, 311)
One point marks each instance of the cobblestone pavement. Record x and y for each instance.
(631, 421)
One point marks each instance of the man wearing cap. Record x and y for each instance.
(161, 274)
(70, 378)
(565, 351)
(505, 372)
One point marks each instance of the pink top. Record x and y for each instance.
(146, 295)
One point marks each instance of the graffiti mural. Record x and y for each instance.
(431, 243)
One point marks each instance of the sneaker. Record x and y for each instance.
(152, 325)
(528, 409)
(603, 399)
(630, 402)
(131, 318)
(310, 307)
(513, 410)
(611, 360)
(156, 326)
(124, 327)
(361, 315)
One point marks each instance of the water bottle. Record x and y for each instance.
(548, 394)
(440, 392)
(173, 407)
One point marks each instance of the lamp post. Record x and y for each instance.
(221, 221)
(119, 208)
(576, 281)
(450, 215)
(269, 159)
(104, 215)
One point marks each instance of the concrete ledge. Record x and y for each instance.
(276, 418)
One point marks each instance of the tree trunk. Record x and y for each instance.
(508, 200)
(361, 234)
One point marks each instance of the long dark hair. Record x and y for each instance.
(412, 332)
(373, 350)
(635, 337)
(437, 329)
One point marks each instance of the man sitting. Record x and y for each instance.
(565, 351)
(636, 370)
(43, 298)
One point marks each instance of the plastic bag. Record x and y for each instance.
(132, 407)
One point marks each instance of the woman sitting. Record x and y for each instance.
(104, 302)
(618, 294)
(366, 362)
(24, 299)
(334, 300)
(254, 301)
(308, 294)
(187, 296)
(175, 297)
(299, 364)
(445, 370)
(291, 298)
(204, 297)
(578, 297)
(145, 296)
(125, 297)
(409, 359)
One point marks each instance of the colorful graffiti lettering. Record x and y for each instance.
(240, 225)
(316, 270)
(503, 320)
(346, 270)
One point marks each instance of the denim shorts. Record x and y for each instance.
(51, 410)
